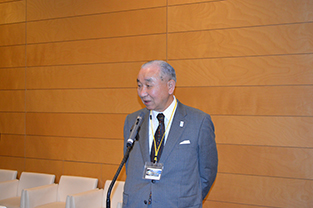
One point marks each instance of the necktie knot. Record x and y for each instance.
(160, 117)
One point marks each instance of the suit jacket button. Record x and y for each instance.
(145, 201)
(152, 181)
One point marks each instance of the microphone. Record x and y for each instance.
(134, 130)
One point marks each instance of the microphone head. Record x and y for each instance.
(140, 118)
(134, 129)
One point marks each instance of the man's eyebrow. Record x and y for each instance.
(147, 80)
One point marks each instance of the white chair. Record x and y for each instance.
(97, 198)
(11, 192)
(55, 195)
(7, 175)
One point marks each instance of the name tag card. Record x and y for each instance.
(152, 171)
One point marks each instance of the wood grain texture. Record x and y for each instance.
(45, 166)
(12, 12)
(108, 172)
(41, 9)
(12, 100)
(243, 13)
(268, 70)
(255, 41)
(264, 131)
(12, 123)
(12, 79)
(12, 145)
(174, 2)
(266, 161)
(76, 125)
(12, 163)
(52, 148)
(127, 23)
(12, 34)
(97, 51)
(95, 150)
(83, 169)
(119, 75)
(267, 100)
(87, 101)
(262, 191)
(12, 56)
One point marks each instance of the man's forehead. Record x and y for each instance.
(148, 74)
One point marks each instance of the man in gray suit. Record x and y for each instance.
(174, 162)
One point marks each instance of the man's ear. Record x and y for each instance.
(171, 86)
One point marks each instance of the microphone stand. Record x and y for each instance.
(108, 201)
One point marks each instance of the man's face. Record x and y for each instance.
(155, 93)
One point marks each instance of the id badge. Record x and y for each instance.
(152, 171)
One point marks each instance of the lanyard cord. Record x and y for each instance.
(156, 150)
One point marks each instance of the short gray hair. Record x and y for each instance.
(166, 68)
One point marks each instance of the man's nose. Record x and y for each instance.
(142, 92)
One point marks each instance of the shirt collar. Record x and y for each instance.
(168, 112)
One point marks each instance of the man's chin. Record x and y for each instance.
(149, 107)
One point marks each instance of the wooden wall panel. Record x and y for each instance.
(97, 51)
(108, 172)
(12, 56)
(262, 191)
(12, 100)
(12, 34)
(264, 130)
(83, 169)
(12, 123)
(83, 76)
(92, 101)
(12, 12)
(12, 145)
(255, 41)
(258, 100)
(94, 150)
(45, 166)
(234, 13)
(13, 78)
(52, 148)
(98, 26)
(268, 70)
(76, 125)
(266, 161)
(174, 2)
(55, 9)
(267, 100)
(12, 163)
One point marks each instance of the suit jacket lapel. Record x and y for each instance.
(175, 131)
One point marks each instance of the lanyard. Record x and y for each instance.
(156, 149)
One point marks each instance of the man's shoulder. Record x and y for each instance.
(136, 113)
(192, 111)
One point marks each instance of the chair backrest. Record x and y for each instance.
(74, 185)
(31, 180)
(7, 175)
(116, 193)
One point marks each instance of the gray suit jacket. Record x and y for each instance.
(189, 169)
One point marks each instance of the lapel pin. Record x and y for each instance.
(181, 124)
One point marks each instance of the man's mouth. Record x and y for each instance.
(146, 102)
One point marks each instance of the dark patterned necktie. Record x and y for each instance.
(158, 139)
